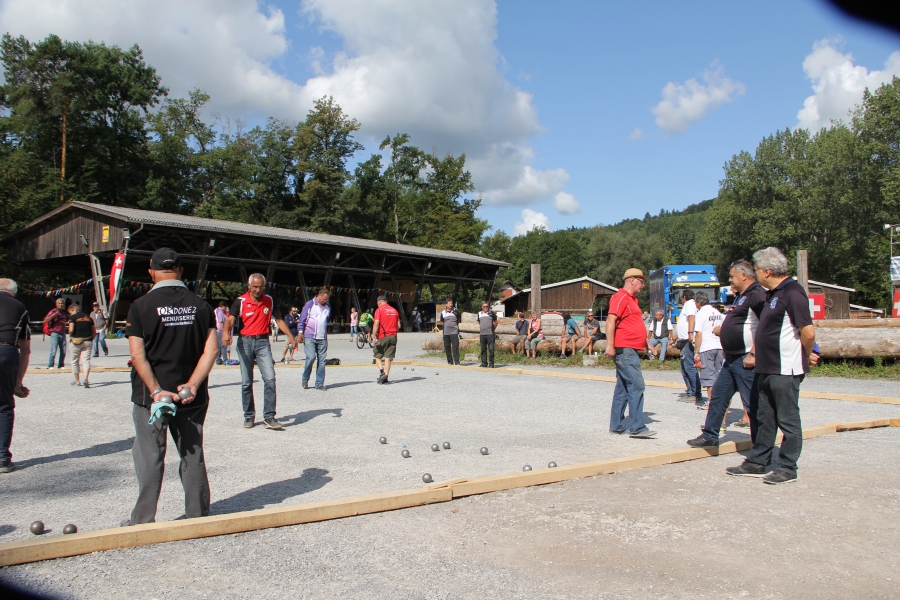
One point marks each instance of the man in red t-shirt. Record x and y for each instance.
(385, 329)
(256, 309)
(626, 335)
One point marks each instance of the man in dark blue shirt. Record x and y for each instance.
(291, 319)
(15, 351)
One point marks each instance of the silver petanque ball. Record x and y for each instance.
(37, 528)
(484, 450)
(551, 465)
(405, 454)
(427, 478)
(526, 468)
(70, 528)
(382, 440)
(435, 447)
(446, 445)
(185, 393)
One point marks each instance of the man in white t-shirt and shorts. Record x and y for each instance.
(707, 343)
(684, 330)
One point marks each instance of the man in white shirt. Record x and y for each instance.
(658, 334)
(707, 343)
(684, 330)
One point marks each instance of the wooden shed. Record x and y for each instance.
(574, 296)
(837, 298)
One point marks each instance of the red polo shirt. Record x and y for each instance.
(630, 329)
(387, 317)
(255, 316)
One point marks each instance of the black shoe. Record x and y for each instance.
(703, 442)
(218, 361)
(385, 382)
(305, 385)
(271, 423)
(456, 363)
(381, 378)
(491, 366)
(125, 523)
(483, 365)
(321, 388)
(779, 476)
(618, 432)
(7, 467)
(248, 423)
(747, 469)
(644, 435)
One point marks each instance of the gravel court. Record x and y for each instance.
(73, 445)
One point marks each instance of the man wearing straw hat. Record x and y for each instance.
(626, 335)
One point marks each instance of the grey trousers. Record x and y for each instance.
(779, 408)
(149, 453)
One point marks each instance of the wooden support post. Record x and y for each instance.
(303, 293)
(330, 270)
(373, 295)
(803, 270)
(354, 296)
(434, 297)
(242, 271)
(536, 289)
(456, 294)
(468, 297)
(404, 319)
(270, 272)
(204, 260)
(97, 274)
(490, 293)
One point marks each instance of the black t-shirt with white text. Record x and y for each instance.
(174, 324)
(740, 324)
(778, 348)
(13, 320)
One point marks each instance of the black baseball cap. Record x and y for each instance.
(165, 259)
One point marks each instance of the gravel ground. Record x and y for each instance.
(72, 449)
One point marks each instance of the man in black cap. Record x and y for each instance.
(172, 337)
(15, 350)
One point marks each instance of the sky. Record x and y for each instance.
(570, 113)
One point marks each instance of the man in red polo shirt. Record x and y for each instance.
(626, 335)
(255, 310)
(385, 329)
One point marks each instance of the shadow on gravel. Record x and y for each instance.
(408, 379)
(4, 529)
(104, 449)
(106, 383)
(218, 385)
(272, 493)
(309, 415)
(332, 386)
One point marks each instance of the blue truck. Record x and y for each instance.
(668, 283)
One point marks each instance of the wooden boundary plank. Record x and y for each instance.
(13, 553)
(215, 368)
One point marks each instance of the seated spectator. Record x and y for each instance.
(534, 337)
(521, 334)
(659, 333)
(591, 332)
(570, 332)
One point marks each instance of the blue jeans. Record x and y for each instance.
(9, 373)
(221, 347)
(629, 391)
(315, 350)
(663, 343)
(257, 351)
(689, 371)
(100, 340)
(57, 341)
(733, 377)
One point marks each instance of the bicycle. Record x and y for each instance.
(364, 337)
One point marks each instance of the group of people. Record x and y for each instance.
(762, 349)
(87, 336)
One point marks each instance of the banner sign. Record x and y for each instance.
(895, 308)
(817, 306)
(895, 269)
(114, 276)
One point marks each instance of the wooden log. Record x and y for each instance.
(851, 342)
(856, 323)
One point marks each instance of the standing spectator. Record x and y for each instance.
(658, 334)
(221, 314)
(292, 320)
(785, 338)
(15, 351)
(450, 318)
(625, 337)
(738, 374)
(707, 344)
(487, 323)
(591, 332)
(254, 309)
(534, 336)
(312, 332)
(417, 319)
(228, 359)
(684, 330)
(81, 338)
(172, 337)
(570, 332)
(56, 321)
(99, 318)
(354, 323)
(385, 331)
(521, 334)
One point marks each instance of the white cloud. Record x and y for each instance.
(686, 102)
(838, 84)
(531, 220)
(566, 204)
(637, 135)
(430, 69)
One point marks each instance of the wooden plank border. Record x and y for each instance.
(14, 553)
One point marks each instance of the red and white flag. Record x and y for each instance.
(114, 276)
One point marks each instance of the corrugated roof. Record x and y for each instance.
(150, 217)
(568, 281)
(830, 285)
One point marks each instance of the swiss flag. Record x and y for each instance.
(115, 275)
(817, 306)
(896, 311)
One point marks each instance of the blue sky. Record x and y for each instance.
(571, 113)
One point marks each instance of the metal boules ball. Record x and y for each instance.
(185, 393)
(382, 440)
(526, 468)
(70, 528)
(405, 454)
(37, 528)
(427, 478)
(551, 465)
(404, 368)
(446, 445)
(484, 450)
(435, 447)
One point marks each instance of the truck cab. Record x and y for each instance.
(668, 284)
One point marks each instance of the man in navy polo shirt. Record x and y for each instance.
(784, 341)
(255, 309)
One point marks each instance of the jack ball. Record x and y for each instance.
(526, 468)
(446, 445)
(435, 447)
(405, 454)
(382, 440)
(427, 478)
(37, 528)
(484, 451)
(551, 465)
(70, 528)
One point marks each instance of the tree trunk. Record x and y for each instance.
(62, 169)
